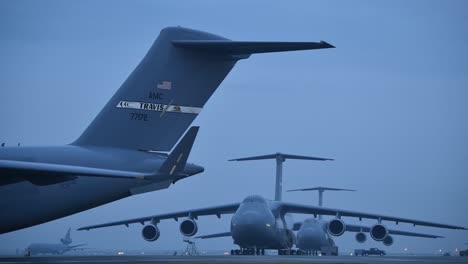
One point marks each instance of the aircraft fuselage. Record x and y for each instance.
(256, 224)
(25, 203)
(313, 235)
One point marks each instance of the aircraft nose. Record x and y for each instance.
(310, 239)
(192, 169)
(250, 218)
(252, 227)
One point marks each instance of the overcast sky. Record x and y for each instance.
(389, 104)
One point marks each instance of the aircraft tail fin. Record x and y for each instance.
(169, 88)
(161, 97)
(67, 239)
(177, 159)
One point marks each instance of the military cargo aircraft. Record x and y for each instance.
(312, 234)
(259, 224)
(54, 249)
(123, 150)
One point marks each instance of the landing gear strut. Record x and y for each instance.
(248, 251)
(288, 252)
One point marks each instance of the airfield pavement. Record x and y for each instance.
(232, 259)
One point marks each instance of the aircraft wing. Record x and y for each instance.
(215, 210)
(358, 228)
(47, 173)
(315, 210)
(224, 234)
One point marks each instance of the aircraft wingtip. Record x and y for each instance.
(327, 45)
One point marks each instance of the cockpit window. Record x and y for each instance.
(254, 199)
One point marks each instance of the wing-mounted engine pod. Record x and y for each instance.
(361, 237)
(188, 227)
(388, 241)
(150, 232)
(336, 227)
(378, 232)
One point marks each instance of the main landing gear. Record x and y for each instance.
(248, 251)
(288, 252)
(308, 252)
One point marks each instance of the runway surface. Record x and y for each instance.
(233, 259)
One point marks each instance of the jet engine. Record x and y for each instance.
(388, 241)
(378, 232)
(361, 237)
(188, 227)
(336, 227)
(150, 232)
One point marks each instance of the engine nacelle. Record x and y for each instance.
(336, 227)
(388, 241)
(378, 232)
(150, 232)
(361, 237)
(188, 227)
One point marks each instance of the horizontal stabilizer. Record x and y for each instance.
(176, 161)
(225, 234)
(75, 246)
(247, 47)
(321, 189)
(280, 156)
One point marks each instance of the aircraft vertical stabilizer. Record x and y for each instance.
(170, 86)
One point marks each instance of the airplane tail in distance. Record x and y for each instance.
(170, 86)
(67, 239)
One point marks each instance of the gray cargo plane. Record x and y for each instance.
(121, 152)
(313, 234)
(259, 224)
(55, 249)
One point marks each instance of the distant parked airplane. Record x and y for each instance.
(312, 234)
(54, 249)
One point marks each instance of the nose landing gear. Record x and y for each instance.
(288, 252)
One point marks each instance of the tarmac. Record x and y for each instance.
(233, 259)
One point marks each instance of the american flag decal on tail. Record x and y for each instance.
(165, 85)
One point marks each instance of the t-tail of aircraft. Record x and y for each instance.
(280, 158)
(170, 86)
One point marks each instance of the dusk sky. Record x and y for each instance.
(389, 104)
